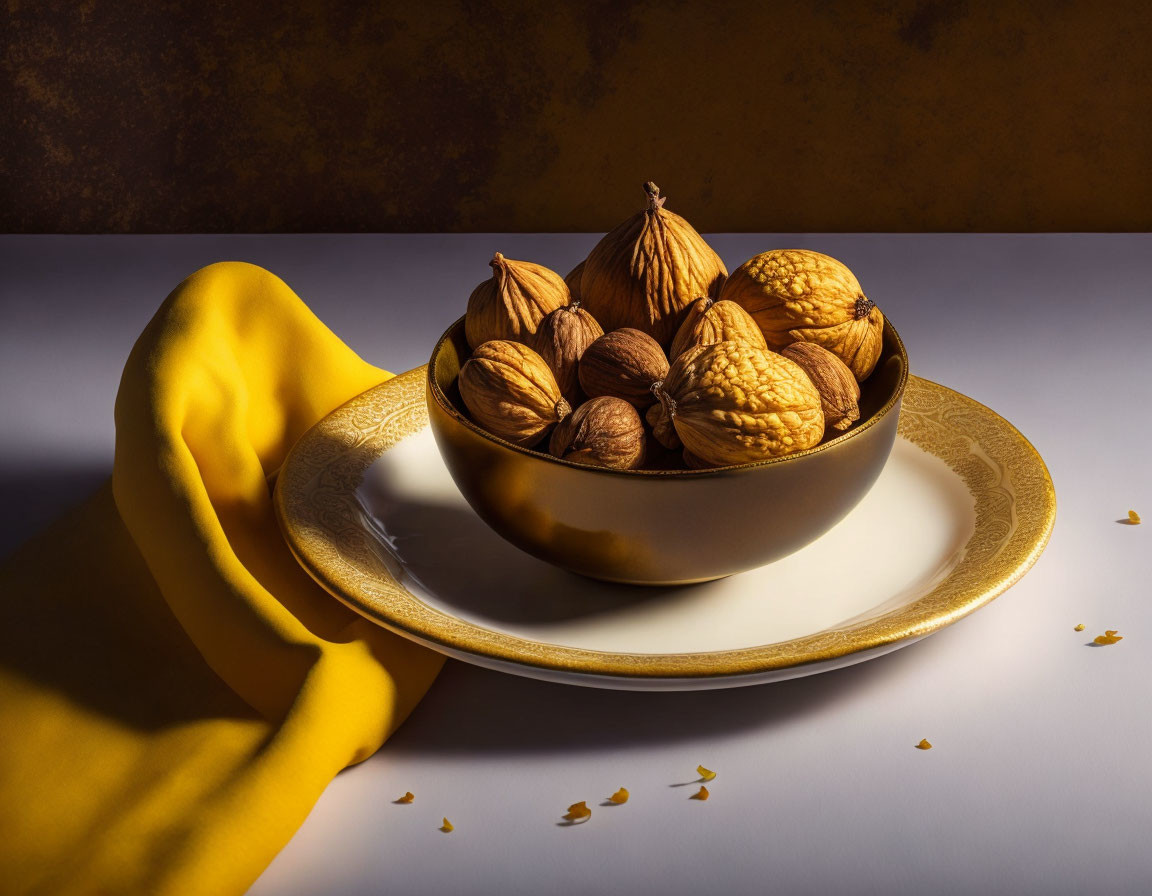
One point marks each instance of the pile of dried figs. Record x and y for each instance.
(649, 355)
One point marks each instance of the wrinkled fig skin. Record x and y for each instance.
(511, 303)
(839, 391)
(733, 403)
(709, 321)
(603, 432)
(647, 271)
(692, 462)
(625, 364)
(510, 392)
(572, 281)
(561, 340)
(663, 428)
(796, 295)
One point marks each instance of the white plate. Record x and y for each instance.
(962, 509)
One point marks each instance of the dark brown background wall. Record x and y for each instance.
(900, 115)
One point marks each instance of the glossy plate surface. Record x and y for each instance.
(963, 508)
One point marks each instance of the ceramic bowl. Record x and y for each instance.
(662, 527)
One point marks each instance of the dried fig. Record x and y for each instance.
(796, 295)
(624, 363)
(646, 272)
(511, 303)
(839, 391)
(663, 429)
(733, 403)
(510, 391)
(561, 340)
(603, 432)
(572, 281)
(692, 462)
(711, 321)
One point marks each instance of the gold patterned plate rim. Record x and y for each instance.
(321, 518)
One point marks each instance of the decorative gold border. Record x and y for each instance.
(323, 524)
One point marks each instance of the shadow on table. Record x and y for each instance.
(81, 616)
(33, 496)
(473, 710)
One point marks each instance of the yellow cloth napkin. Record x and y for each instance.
(175, 692)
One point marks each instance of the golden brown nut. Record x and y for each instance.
(711, 321)
(839, 391)
(796, 295)
(647, 271)
(561, 340)
(663, 429)
(511, 303)
(692, 462)
(510, 391)
(733, 403)
(572, 281)
(602, 432)
(624, 363)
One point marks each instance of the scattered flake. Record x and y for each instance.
(1079, 628)
(1133, 518)
(701, 794)
(1109, 637)
(705, 774)
(407, 798)
(924, 745)
(578, 811)
(448, 827)
(620, 796)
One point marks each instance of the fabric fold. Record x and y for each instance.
(175, 690)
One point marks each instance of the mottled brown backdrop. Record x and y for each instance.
(174, 115)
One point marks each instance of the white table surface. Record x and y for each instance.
(1040, 779)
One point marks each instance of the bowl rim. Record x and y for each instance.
(452, 411)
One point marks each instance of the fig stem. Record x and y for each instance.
(664, 398)
(655, 200)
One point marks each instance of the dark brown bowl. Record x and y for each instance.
(662, 527)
